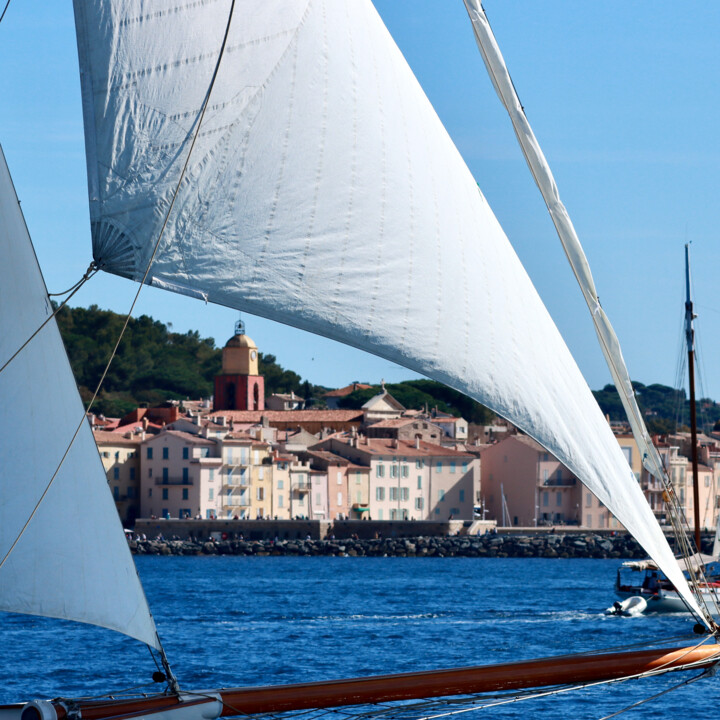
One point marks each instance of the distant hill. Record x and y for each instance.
(665, 409)
(153, 364)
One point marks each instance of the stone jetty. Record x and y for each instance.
(547, 545)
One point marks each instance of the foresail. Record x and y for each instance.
(72, 561)
(323, 192)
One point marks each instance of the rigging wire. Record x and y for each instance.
(194, 134)
(92, 270)
(7, 5)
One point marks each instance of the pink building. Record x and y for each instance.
(413, 480)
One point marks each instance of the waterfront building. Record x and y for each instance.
(412, 481)
(335, 469)
(246, 477)
(180, 476)
(120, 455)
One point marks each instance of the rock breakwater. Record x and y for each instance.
(489, 545)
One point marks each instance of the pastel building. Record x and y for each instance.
(120, 454)
(412, 481)
(180, 476)
(524, 485)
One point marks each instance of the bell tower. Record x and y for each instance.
(239, 386)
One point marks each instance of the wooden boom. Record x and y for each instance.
(562, 670)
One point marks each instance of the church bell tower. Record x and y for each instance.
(238, 386)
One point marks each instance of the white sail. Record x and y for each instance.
(72, 561)
(498, 72)
(323, 192)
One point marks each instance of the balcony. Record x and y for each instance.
(562, 482)
(301, 487)
(174, 481)
(235, 481)
(233, 501)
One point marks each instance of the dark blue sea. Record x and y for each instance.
(228, 621)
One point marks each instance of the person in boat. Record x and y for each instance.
(651, 583)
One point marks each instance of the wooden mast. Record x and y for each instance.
(544, 672)
(690, 341)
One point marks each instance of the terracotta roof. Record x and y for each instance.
(329, 457)
(347, 390)
(188, 437)
(386, 446)
(395, 422)
(256, 416)
(112, 438)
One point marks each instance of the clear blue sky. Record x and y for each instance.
(623, 98)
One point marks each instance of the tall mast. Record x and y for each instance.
(690, 341)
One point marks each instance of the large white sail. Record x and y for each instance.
(324, 192)
(72, 561)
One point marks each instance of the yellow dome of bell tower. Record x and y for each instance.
(240, 354)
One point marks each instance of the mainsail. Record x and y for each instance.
(322, 191)
(72, 560)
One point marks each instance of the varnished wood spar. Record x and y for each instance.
(562, 670)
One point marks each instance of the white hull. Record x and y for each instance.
(667, 601)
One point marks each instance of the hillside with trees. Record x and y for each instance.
(153, 364)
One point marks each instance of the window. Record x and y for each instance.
(380, 493)
(545, 476)
(165, 476)
(419, 482)
(281, 484)
(558, 499)
(339, 498)
(419, 502)
(165, 494)
(106, 454)
(358, 497)
(186, 453)
(116, 473)
(117, 455)
(393, 514)
(380, 514)
(419, 464)
(211, 494)
(261, 493)
(404, 493)
(588, 499)
(281, 501)
(438, 466)
(131, 492)
(185, 494)
(546, 457)
(165, 513)
(186, 475)
(588, 520)
(462, 496)
(393, 493)
(149, 453)
(441, 495)
(116, 493)
(358, 478)
(464, 467)
(261, 473)
(707, 481)
(212, 474)
(393, 471)
(132, 473)
(380, 470)
(456, 511)
(405, 471)
(149, 472)
(546, 498)
(256, 457)
(452, 466)
(166, 453)
(149, 492)
(318, 499)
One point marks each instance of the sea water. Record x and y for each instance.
(231, 621)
